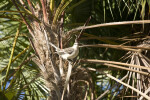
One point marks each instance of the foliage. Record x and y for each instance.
(30, 69)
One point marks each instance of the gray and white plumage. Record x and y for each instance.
(67, 53)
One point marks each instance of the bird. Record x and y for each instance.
(67, 53)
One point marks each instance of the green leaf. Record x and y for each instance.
(3, 96)
(11, 94)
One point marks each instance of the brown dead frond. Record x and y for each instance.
(139, 81)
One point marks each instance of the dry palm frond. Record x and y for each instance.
(102, 95)
(120, 81)
(110, 24)
(67, 80)
(128, 48)
(139, 81)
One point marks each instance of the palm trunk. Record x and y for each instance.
(63, 82)
(46, 59)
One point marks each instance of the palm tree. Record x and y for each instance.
(35, 71)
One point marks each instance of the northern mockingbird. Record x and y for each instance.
(68, 53)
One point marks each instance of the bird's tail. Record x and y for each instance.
(54, 46)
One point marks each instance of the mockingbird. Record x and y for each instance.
(67, 53)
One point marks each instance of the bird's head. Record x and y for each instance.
(76, 42)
